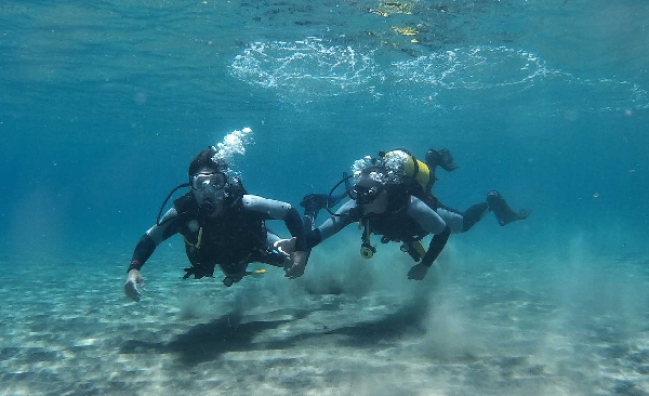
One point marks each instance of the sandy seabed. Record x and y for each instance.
(523, 324)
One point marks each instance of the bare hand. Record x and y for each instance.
(134, 280)
(299, 264)
(286, 247)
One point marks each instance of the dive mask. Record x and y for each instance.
(214, 180)
(365, 195)
(368, 186)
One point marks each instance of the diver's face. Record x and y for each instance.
(208, 188)
(378, 205)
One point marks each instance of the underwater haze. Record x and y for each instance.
(103, 104)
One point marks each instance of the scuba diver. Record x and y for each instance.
(385, 209)
(391, 179)
(221, 225)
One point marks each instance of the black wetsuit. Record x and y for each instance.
(233, 239)
(404, 221)
(458, 221)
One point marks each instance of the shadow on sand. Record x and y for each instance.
(208, 341)
(407, 320)
(229, 333)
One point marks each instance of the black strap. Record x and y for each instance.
(414, 160)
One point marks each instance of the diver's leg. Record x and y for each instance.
(453, 218)
(462, 221)
(495, 203)
(474, 214)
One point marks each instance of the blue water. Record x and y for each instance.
(104, 104)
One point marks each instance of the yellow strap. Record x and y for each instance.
(420, 249)
(200, 238)
(197, 245)
(423, 175)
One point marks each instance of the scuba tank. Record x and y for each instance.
(407, 167)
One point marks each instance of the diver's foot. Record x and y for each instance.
(503, 212)
(441, 158)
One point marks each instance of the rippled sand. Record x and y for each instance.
(515, 325)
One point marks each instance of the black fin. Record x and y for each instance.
(441, 158)
(503, 212)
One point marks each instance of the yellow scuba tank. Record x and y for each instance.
(409, 166)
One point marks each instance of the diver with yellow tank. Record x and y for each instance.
(391, 195)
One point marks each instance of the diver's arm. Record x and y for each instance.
(145, 248)
(271, 209)
(152, 238)
(435, 247)
(344, 216)
(432, 223)
(279, 210)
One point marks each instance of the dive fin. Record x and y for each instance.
(503, 212)
(313, 203)
(441, 158)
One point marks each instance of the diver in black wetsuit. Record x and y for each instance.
(384, 210)
(221, 225)
(402, 177)
(418, 178)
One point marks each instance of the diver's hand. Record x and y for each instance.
(417, 272)
(285, 247)
(299, 264)
(134, 280)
